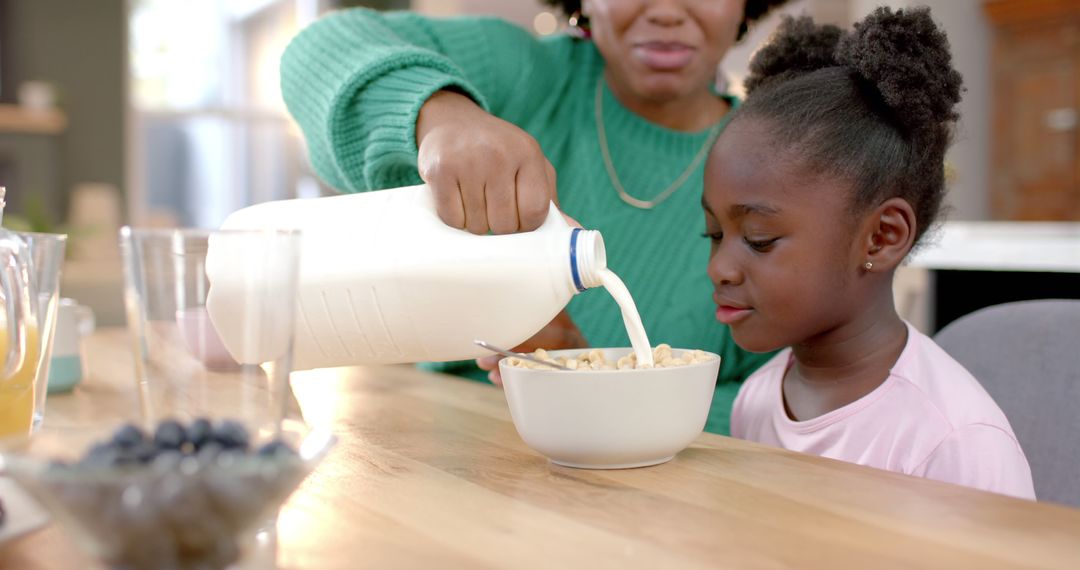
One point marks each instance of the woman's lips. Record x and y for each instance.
(664, 56)
(728, 314)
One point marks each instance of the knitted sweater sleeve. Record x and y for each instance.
(355, 81)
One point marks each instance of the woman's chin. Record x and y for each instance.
(664, 86)
(663, 89)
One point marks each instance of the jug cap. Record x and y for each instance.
(587, 258)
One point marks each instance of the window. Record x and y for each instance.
(210, 132)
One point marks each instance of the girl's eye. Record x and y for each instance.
(714, 237)
(760, 245)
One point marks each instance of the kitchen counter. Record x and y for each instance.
(967, 266)
(1003, 246)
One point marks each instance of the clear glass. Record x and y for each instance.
(47, 261)
(211, 316)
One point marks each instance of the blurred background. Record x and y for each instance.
(168, 112)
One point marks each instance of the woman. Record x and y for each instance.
(624, 112)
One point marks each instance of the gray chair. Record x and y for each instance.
(1027, 356)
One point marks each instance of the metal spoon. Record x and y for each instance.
(530, 358)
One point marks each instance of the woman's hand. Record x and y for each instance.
(485, 173)
(558, 334)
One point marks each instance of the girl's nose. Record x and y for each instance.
(723, 268)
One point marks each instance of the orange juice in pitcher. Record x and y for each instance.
(20, 345)
(17, 391)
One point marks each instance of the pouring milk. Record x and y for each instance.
(383, 280)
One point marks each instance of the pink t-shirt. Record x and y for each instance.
(930, 418)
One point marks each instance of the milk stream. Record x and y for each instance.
(631, 319)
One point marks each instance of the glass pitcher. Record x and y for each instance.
(19, 344)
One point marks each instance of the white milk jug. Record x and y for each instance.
(384, 280)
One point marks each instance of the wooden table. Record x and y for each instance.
(429, 473)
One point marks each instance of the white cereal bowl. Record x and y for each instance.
(610, 419)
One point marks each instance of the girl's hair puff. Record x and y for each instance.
(875, 106)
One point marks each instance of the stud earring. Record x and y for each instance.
(868, 265)
(579, 26)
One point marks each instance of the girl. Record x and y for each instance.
(818, 189)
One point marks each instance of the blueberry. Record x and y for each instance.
(275, 448)
(137, 454)
(170, 434)
(200, 432)
(129, 435)
(231, 435)
(101, 455)
(125, 456)
(145, 452)
(140, 453)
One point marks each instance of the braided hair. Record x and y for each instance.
(875, 106)
(755, 10)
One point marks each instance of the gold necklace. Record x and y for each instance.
(610, 166)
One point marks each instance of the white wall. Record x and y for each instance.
(970, 38)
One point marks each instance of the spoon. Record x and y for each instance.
(532, 359)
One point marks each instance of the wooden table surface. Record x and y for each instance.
(429, 473)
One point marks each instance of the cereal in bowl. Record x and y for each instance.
(594, 359)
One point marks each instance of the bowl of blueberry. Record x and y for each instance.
(182, 495)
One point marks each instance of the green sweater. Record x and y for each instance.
(356, 79)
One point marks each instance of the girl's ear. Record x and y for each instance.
(888, 235)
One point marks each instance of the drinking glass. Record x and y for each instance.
(47, 261)
(211, 317)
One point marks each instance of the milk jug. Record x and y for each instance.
(384, 280)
